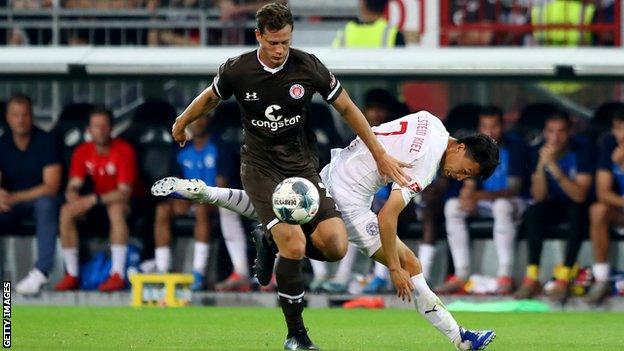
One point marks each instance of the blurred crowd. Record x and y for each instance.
(559, 176)
(227, 22)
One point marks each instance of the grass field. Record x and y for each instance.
(243, 328)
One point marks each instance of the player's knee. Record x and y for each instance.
(291, 243)
(502, 208)
(293, 250)
(67, 214)
(598, 213)
(452, 208)
(336, 250)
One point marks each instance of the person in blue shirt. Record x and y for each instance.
(562, 173)
(30, 178)
(206, 159)
(497, 197)
(608, 210)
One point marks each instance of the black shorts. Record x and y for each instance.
(259, 185)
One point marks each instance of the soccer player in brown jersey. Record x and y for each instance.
(274, 86)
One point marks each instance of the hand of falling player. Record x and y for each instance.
(403, 284)
(179, 131)
(390, 167)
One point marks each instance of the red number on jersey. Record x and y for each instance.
(397, 132)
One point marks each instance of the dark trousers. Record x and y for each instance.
(545, 216)
(45, 211)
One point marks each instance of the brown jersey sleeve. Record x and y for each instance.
(325, 82)
(222, 83)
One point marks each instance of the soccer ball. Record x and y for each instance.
(295, 200)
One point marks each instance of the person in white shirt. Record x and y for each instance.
(352, 179)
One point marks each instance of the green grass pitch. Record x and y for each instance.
(244, 328)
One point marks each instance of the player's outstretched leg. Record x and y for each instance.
(431, 307)
(196, 190)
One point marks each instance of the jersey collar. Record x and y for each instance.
(269, 69)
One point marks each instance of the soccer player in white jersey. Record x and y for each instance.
(352, 179)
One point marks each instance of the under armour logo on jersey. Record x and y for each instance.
(268, 113)
(251, 96)
(432, 309)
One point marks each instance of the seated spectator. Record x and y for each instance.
(111, 165)
(560, 182)
(607, 211)
(30, 178)
(203, 159)
(498, 197)
(371, 31)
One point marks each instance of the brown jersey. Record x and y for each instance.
(275, 107)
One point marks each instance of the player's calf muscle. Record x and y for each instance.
(410, 263)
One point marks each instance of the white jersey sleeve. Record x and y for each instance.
(425, 150)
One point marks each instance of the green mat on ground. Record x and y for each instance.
(499, 306)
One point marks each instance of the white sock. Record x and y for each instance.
(118, 256)
(426, 255)
(504, 235)
(319, 269)
(200, 256)
(233, 199)
(381, 271)
(457, 237)
(70, 255)
(601, 271)
(343, 273)
(430, 307)
(163, 259)
(235, 241)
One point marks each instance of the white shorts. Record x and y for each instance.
(360, 221)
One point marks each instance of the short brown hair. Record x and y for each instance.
(273, 16)
(102, 111)
(20, 98)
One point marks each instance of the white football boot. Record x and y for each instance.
(176, 188)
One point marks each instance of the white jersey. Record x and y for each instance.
(419, 139)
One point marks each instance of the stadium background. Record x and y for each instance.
(70, 55)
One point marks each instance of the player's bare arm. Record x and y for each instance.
(49, 187)
(121, 194)
(514, 185)
(388, 217)
(387, 165)
(604, 189)
(199, 107)
(539, 186)
(73, 189)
